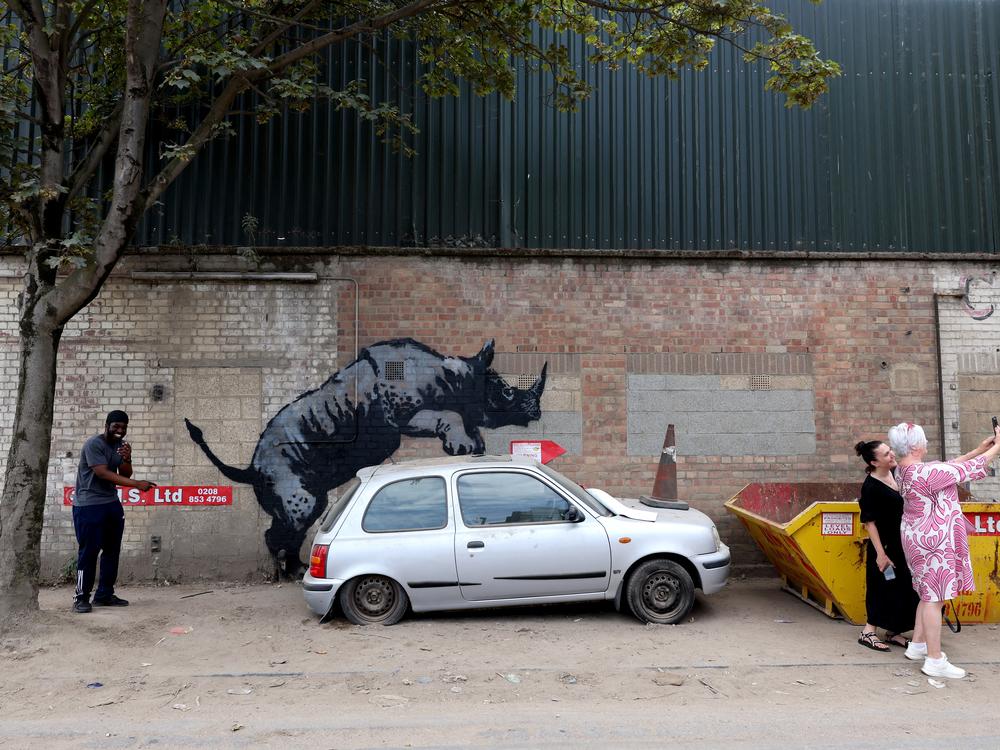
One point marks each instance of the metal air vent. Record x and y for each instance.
(524, 382)
(395, 370)
(760, 382)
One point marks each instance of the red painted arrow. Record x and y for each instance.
(540, 450)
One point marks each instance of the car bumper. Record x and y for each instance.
(320, 593)
(713, 569)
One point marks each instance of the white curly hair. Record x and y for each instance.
(906, 436)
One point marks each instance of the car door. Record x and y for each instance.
(514, 539)
(405, 533)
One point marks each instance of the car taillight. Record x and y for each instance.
(317, 560)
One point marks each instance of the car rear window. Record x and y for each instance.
(336, 508)
(408, 505)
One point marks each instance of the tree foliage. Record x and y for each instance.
(210, 51)
(82, 81)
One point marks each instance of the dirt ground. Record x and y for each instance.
(250, 666)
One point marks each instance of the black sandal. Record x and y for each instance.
(896, 639)
(872, 641)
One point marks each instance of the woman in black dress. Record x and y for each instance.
(891, 604)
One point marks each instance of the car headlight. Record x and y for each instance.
(717, 538)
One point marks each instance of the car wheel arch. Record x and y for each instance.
(681, 560)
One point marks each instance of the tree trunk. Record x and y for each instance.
(47, 304)
(22, 504)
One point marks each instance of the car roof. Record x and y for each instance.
(452, 463)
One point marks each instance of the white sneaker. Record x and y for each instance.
(916, 653)
(942, 668)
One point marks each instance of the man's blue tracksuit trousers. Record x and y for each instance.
(99, 530)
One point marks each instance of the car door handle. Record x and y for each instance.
(475, 545)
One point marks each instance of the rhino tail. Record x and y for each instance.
(243, 476)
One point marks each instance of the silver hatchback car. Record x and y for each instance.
(489, 531)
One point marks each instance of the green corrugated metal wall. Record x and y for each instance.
(900, 156)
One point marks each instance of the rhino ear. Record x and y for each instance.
(485, 355)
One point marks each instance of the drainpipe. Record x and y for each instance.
(940, 367)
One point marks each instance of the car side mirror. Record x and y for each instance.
(573, 514)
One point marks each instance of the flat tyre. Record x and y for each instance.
(373, 600)
(661, 592)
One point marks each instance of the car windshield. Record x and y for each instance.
(576, 490)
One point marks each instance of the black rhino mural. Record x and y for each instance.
(320, 440)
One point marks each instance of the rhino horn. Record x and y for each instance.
(539, 385)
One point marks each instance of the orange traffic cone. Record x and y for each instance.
(664, 493)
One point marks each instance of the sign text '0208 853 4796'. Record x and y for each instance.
(169, 495)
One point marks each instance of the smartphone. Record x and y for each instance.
(995, 424)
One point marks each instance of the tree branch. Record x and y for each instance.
(37, 12)
(85, 169)
(49, 88)
(28, 117)
(238, 83)
(190, 38)
(143, 37)
(61, 22)
(267, 41)
(27, 13)
(285, 22)
(69, 44)
(346, 32)
(202, 134)
(653, 12)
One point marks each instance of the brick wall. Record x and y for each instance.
(970, 361)
(863, 334)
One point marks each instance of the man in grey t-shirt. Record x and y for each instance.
(98, 518)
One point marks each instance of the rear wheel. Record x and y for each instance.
(373, 600)
(661, 592)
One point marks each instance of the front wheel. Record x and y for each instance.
(661, 592)
(373, 600)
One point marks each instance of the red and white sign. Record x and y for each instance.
(838, 524)
(201, 496)
(984, 524)
(540, 450)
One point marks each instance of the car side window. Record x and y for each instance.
(409, 505)
(504, 497)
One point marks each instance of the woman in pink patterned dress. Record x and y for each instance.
(934, 535)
